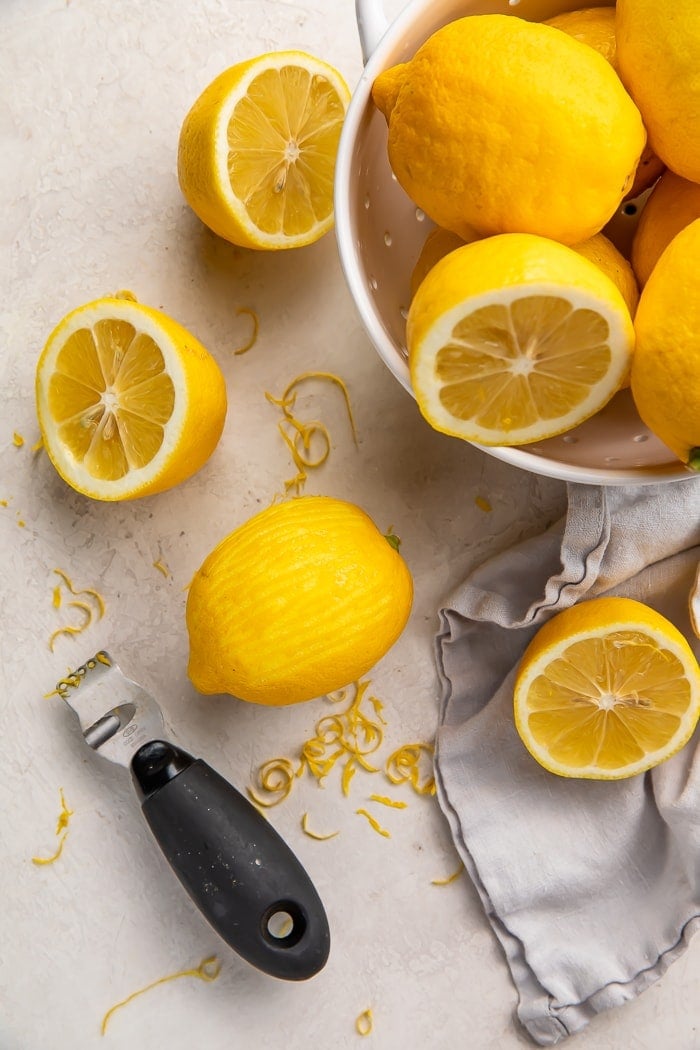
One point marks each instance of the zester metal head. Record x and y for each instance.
(116, 715)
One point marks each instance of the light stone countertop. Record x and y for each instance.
(93, 95)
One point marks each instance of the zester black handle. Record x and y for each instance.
(240, 873)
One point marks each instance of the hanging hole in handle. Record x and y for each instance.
(283, 924)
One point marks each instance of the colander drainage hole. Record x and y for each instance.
(366, 201)
(630, 209)
(420, 215)
(387, 239)
(611, 459)
(373, 283)
(404, 312)
(513, 3)
(640, 437)
(569, 439)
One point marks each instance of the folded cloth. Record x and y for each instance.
(592, 887)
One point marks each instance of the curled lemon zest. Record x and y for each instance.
(348, 773)
(54, 856)
(302, 435)
(61, 826)
(254, 336)
(385, 801)
(63, 630)
(315, 834)
(276, 778)
(364, 1023)
(403, 767)
(17, 440)
(374, 823)
(450, 878)
(161, 567)
(208, 970)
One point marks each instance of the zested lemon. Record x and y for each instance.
(129, 402)
(515, 338)
(304, 598)
(605, 690)
(257, 150)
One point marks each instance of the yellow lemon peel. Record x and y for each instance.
(161, 567)
(37, 446)
(385, 801)
(61, 826)
(17, 440)
(403, 766)
(450, 878)
(276, 777)
(483, 504)
(84, 607)
(315, 834)
(208, 970)
(254, 335)
(364, 1023)
(374, 824)
(299, 436)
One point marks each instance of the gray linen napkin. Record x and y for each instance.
(592, 887)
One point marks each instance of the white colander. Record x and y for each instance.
(380, 233)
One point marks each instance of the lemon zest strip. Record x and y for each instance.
(161, 567)
(17, 440)
(483, 504)
(364, 1023)
(37, 446)
(450, 878)
(403, 766)
(315, 834)
(54, 856)
(208, 970)
(385, 801)
(276, 777)
(254, 336)
(349, 771)
(61, 826)
(374, 823)
(57, 597)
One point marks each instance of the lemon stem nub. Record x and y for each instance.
(694, 458)
(392, 540)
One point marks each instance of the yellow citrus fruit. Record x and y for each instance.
(601, 251)
(302, 599)
(671, 206)
(605, 690)
(666, 362)
(515, 338)
(502, 125)
(437, 245)
(658, 58)
(595, 26)
(257, 150)
(129, 402)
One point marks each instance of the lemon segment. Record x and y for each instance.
(302, 599)
(606, 690)
(257, 150)
(129, 403)
(515, 338)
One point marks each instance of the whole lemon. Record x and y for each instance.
(671, 206)
(666, 361)
(304, 598)
(658, 58)
(502, 125)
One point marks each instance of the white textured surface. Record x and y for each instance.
(93, 94)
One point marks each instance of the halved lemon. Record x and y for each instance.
(605, 690)
(129, 402)
(257, 150)
(515, 338)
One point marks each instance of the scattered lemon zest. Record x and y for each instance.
(403, 767)
(17, 440)
(276, 777)
(87, 609)
(63, 630)
(315, 834)
(450, 878)
(299, 441)
(37, 446)
(348, 773)
(483, 504)
(99, 600)
(57, 597)
(364, 1023)
(3, 502)
(385, 801)
(61, 826)
(208, 970)
(254, 336)
(374, 823)
(161, 567)
(54, 856)
(378, 708)
(22, 524)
